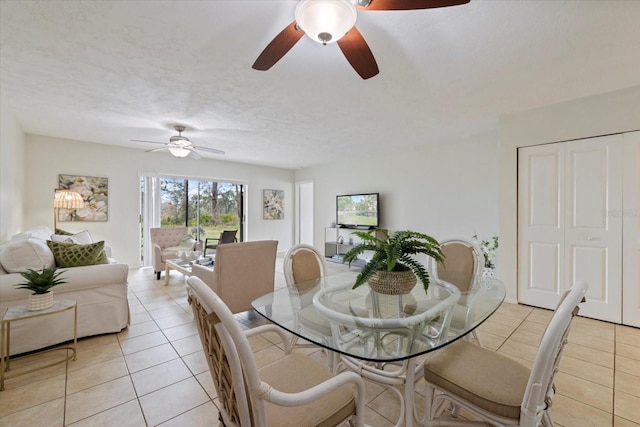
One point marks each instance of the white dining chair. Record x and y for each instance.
(294, 390)
(351, 329)
(493, 387)
(462, 268)
(303, 267)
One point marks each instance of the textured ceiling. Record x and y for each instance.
(111, 71)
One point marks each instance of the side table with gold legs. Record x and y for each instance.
(19, 313)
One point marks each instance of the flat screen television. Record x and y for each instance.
(358, 210)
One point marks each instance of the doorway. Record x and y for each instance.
(205, 207)
(304, 213)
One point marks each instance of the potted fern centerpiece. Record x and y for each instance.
(393, 270)
(40, 283)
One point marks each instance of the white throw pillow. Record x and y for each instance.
(81, 238)
(187, 242)
(41, 232)
(23, 254)
(61, 238)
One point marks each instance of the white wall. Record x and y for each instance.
(604, 114)
(12, 173)
(445, 190)
(48, 157)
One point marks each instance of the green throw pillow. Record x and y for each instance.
(63, 232)
(74, 255)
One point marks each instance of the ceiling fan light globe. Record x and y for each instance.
(179, 139)
(325, 21)
(179, 151)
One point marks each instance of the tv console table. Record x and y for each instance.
(338, 241)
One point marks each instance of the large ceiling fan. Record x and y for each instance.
(180, 146)
(329, 21)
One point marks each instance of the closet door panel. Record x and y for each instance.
(631, 230)
(541, 224)
(593, 236)
(544, 279)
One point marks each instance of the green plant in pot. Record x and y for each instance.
(392, 269)
(40, 284)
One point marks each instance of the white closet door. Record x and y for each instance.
(568, 194)
(593, 231)
(541, 224)
(631, 230)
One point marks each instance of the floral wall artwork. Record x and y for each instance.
(94, 192)
(273, 204)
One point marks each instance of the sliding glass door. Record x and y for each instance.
(206, 208)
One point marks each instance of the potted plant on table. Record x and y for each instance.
(489, 248)
(40, 283)
(392, 269)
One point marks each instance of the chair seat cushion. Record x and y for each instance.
(483, 377)
(294, 373)
(170, 253)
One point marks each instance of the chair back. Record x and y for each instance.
(227, 236)
(303, 263)
(539, 391)
(167, 236)
(243, 272)
(462, 266)
(228, 354)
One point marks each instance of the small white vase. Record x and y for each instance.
(40, 301)
(489, 272)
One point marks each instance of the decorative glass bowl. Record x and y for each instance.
(189, 256)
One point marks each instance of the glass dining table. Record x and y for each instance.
(369, 332)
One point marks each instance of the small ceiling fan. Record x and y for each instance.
(180, 146)
(329, 21)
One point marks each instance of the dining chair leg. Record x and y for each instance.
(428, 405)
(409, 392)
(477, 338)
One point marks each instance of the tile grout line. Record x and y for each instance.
(192, 374)
(144, 417)
(514, 331)
(66, 386)
(615, 350)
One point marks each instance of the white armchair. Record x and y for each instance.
(166, 242)
(241, 272)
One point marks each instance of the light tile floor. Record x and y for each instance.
(154, 373)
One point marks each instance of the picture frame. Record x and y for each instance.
(272, 204)
(95, 193)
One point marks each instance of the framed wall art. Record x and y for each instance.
(272, 204)
(95, 193)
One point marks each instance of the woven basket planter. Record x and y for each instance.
(38, 302)
(393, 282)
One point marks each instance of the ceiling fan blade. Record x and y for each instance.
(209, 150)
(156, 149)
(356, 50)
(410, 4)
(194, 155)
(150, 142)
(278, 47)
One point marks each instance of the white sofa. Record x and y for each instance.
(100, 291)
